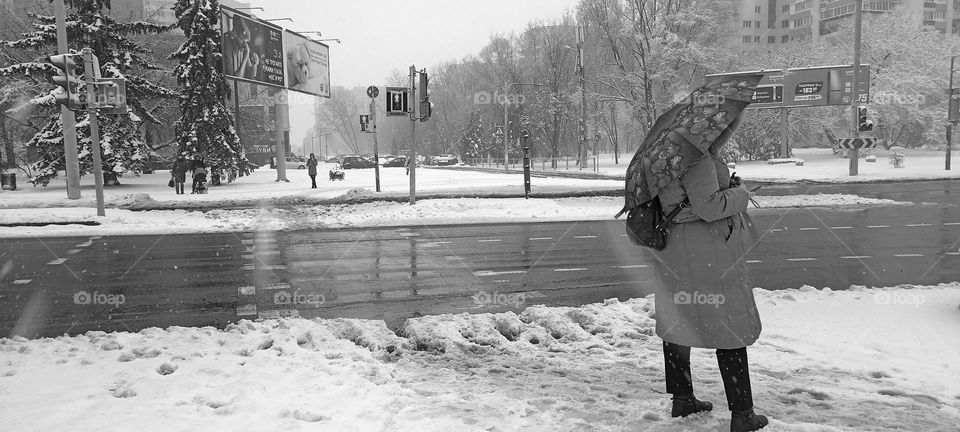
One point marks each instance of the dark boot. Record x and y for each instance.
(746, 421)
(684, 405)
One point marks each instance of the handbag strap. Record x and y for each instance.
(676, 210)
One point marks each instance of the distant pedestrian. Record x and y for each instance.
(312, 170)
(179, 173)
(199, 177)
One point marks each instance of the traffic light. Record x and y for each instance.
(426, 107)
(397, 101)
(74, 93)
(863, 123)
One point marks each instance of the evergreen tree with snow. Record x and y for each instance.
(89, 26)
(472, 144)
(206, 131)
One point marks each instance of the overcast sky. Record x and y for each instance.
(378, 36)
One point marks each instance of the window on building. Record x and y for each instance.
(747, 24)
(784, 24)
(785, 39)
(756, 39)
(756, 9)
(746, 39)
(756, 24)
(771, 39)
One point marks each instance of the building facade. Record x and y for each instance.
(786, 21)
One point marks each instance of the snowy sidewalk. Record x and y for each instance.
(859, 360)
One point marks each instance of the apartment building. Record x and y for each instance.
(789, 21)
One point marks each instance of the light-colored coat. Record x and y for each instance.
(702, 298)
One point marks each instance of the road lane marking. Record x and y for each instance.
(74, 251)
(22, 281)
(919, 225)
(809, 229)
(856, 257)
(266, 267)
(953, 253)
(841, 227)
(247, 241)
(878, 226)
(489, 241)
(952, 223)
(907, 255)
(754, 261)
(96, 238)
(483, 273)
(540, 238)
(623, 235)
(631, 266)
(247, 290)
(57, 261)
(585, 237)
(265, 240)
(570, 269)
(801, 259)
(85, 244)
(452, 258)
(776, 230)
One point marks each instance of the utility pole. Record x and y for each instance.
(411, 108)
(583, 98)
(67, 119)
(855, 93)
(90, 76)
(952, 111)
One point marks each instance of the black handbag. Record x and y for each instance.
(171, 183)
(646, 225)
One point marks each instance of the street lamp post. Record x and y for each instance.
(583, 97)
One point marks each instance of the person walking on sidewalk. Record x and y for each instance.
(179, 173)
(312, 170)
(703, 299)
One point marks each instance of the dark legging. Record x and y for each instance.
(733, 370)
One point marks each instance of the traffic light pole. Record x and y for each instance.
(67, 119)
(855, 92)
(376, 149)
(90, 77)
(412, 162)
(951, 109)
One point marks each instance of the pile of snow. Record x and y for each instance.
(429, 212)
(858, 360)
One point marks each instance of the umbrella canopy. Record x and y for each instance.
(685, 133)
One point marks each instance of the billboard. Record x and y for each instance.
(252, 49)
(805, 87)
(308, 64)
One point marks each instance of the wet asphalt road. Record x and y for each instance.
(53, 286)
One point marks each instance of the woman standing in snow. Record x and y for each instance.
(179, 173)
(312, 170)
(703, 299)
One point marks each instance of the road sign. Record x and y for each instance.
(498, 133)
(397, 100)
(856, 143)
(373, 92)
(816, 86)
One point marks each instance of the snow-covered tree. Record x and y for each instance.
(89, 26)
(206, 130)
(472, 144)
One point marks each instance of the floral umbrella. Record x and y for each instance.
(685, 133)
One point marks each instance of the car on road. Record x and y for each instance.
(354, 162)
(444, 159)
(294, 162)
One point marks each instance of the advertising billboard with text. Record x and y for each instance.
(308, 64)
(804, 87)
(252, 49)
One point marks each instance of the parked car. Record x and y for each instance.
(397, 162)
(354, 162)
(445, 159)
(294, 162)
